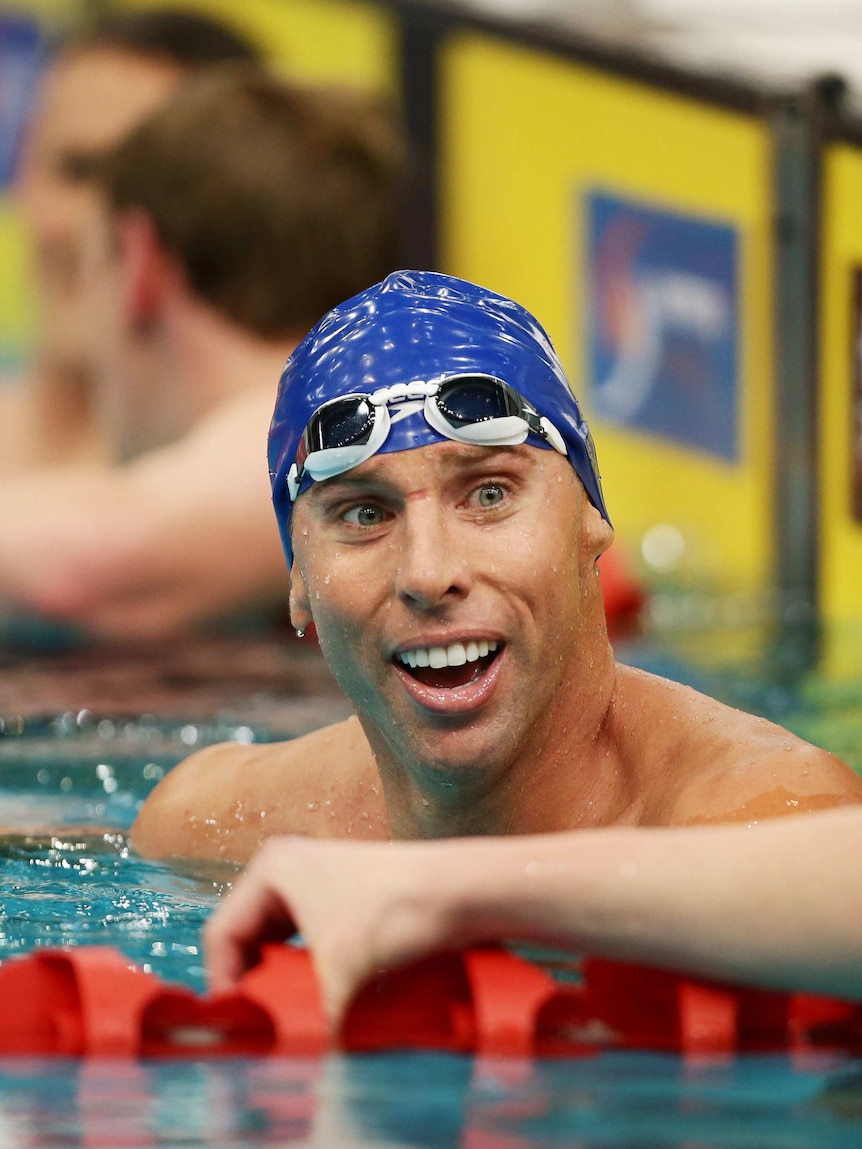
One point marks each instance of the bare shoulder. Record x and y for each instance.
(225, 800)
(718, 764)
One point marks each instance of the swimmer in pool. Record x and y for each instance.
(440, 505)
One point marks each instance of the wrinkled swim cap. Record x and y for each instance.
(422, 325)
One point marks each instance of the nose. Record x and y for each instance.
(433, 566)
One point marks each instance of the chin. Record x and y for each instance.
(459, 755)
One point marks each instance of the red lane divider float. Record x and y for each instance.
(91, 1002)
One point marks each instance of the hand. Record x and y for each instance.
(360, 906)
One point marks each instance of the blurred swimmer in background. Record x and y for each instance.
(98, 87)
(217, 232)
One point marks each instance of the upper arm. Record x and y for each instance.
(176, 817)
(182, 534)
(768, 782)
(224, 801)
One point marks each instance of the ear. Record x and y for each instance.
(147, 269)
(300, 606)
(597, 534)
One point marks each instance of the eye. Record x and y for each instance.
(364, 515)
(490, 495)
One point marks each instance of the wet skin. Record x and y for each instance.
(443, 545)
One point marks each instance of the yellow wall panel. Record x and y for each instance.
(16, 295)
(315, 40)
(840, 534)
(525, 136)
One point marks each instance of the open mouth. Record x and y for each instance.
(448, 667)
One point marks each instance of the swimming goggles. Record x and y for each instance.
(476, 409)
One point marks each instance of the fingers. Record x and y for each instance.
(253, 914)
(339, 983)
(358, 911)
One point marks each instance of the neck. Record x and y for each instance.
(216, 359)
(567, 772)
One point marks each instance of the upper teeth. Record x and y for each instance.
(439, 656)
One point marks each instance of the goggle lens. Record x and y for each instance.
(466, 401)
(345, 422)
(341, 424)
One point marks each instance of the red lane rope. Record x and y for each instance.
(93, 1002)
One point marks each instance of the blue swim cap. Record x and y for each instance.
(422, 326)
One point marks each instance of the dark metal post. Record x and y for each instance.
(797, 124)
(420, 33)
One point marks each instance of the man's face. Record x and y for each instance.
(470, 556)
(90, 100)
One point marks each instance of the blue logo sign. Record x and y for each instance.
(20, 64)
(663, 341)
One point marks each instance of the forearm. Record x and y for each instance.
(778, 905)
(137, 552)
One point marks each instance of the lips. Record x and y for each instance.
(455, 679)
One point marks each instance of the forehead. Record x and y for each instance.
(93, 97)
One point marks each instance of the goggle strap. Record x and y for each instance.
(294, 478)
(553, 435)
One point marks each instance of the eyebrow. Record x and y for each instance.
(476, 456)
(463, 456)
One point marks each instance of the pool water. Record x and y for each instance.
(434, 1101)
(84, 773)
(77, 882)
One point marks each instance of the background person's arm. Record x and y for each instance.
(778, 906)
(141, 551)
